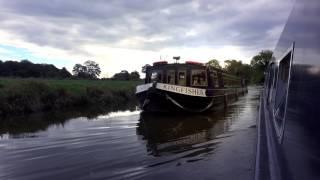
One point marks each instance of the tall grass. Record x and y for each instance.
(23, 96)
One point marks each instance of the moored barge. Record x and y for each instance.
(188, 87)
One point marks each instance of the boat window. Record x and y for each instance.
(282, 86)
(156, 76)
(281, 95)
(182, 77)
(270, 81)
(199, 78)
(231, 81)
(274, 85)
(171, 77)
(227, 81)
(214, 79)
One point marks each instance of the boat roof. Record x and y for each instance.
(187, 65)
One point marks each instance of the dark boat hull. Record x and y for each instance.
(158, 100)
(288, 126)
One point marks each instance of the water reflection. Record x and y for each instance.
(172, 134)
(27, 126)
(130, 145)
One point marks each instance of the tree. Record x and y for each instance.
(92, 68)
(144, 68)
(262, 60)
(134, 75)
(25, 61)
(64, 73)
(259, 64)
(233, 66)
(214, 63)
(123, 75)
(238, 68)
(245, 71)
(78, 68)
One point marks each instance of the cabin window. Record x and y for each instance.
(182, 77)
(214, 79)
(227, 82)
(156, 76)
(171, 77)
(230, 81)
(282, 83)
(281, 95)
(199, 78)
(274, 85)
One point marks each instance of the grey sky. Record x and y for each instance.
(134, 26)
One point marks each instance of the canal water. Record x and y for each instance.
(132, 145)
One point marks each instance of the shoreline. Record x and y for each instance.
(26, 96)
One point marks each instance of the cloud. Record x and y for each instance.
(80, 29)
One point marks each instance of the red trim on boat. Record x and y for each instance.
(194, 62)
(160, 62)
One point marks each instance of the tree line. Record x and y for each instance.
(27, 69)
(88, 70)
(91, 70)
(253, 72)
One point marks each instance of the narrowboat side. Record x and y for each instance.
(288, 136)
(189, 87)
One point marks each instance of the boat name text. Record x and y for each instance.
(182, 89)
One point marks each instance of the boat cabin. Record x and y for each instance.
(191, 74)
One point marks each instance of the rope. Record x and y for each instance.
(188, 109)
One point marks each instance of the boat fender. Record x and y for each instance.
(145, 103)
(154, 84)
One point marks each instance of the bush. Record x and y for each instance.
(56, 99)
(27, 96)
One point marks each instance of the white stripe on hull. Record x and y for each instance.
(143, 87)
(182, 90)
(190, 91)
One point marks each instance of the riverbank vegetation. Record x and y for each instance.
(24, 96)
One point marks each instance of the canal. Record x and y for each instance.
(132, 145)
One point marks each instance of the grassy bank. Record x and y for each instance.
(23, 96)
